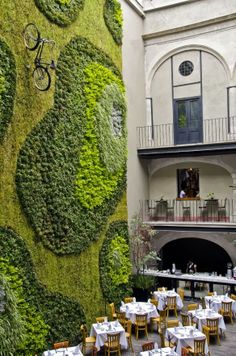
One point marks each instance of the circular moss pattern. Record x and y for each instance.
(38, 308)
(7, 87)
(113, 18)
(115, 265)
(61, 12)
(67, 185)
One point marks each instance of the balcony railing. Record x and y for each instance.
(186, 210)
(214, 131)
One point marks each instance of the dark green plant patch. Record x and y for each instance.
(113, 18)
(61, 12)
(66, 185)
(7, 87)
(115, 266)
(61, 315)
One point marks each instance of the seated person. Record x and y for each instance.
(191, 267)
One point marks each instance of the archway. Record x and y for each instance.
(208, 255)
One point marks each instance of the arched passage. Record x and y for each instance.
(206, 254)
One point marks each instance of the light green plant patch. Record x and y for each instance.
(113, 18)
(7, 87)
(61, 12)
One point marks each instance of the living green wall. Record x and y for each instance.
(62, 262)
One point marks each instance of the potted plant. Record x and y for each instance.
(141, 236)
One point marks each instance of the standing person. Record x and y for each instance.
(182, 194)
(191, 267)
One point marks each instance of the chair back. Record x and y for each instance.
(162, 289)
(212, 324)
(129, 326)
(154, 301)
(112, 306)
(141, 319)
(113, 341)
(233, 296)
(226, 307)
(62, 344)
(210, 294)
(192, 306)
(84, 332)
(180, 291)
(171, 302)
(148, 346)
(128, 300)
(121, 317)
(101, 319)
(185, 319)
(172, 323)
(162, 314)
(199, 346)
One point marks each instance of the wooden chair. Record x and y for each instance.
(141, 324)
(94, 351)
(233, 296)
(205, 331)
(198, 348)
(192, 306)
(122, 318)
(226, 310)
(203, 302)
(112, 344)
(210, 294)
(165, 342)
(172, 323)
(180, 291)
(61, 344)
(213, 325)
(128, 300)
(128, 334)
(158, 319)
(87, 341)
(148, 346)
(161, 289)
(113, 311)
(154, 301)
(171, 305)
(101, 319)
(185, 319)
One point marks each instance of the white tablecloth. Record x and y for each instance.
(166, 351)
(200, 316)
(131, 309)
(214, 302)
(101, 330)
(161, 296)
(183, 337)
(69, 351)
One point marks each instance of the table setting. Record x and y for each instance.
(131, 309)
(67, 351)
(215, 302)
(200, 315)
(100, 330)
(185, 336)
(161, 297)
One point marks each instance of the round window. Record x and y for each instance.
(186, 68)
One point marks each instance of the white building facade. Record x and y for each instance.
(179, 67)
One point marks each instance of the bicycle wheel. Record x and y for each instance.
(31, 36)
(42, 78)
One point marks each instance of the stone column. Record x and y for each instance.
(233, 202)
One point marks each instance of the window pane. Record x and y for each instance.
(182, 118)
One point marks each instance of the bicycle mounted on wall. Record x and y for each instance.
(33, 41)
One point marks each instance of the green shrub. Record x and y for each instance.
(61, 12)
(113, 19)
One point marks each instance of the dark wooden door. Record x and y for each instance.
(187, 120)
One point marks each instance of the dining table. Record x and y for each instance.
(161, 297)
(184, 336)
(199, 316)
(64, 351)
(100, 331)
(131, 309)
(165, 351)
(215, 302)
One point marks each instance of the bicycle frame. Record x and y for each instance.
(38, 58)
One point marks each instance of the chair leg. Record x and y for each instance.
(218, 339)
(146, 331)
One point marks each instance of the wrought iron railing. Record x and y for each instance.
(189, 210)
(214, 131)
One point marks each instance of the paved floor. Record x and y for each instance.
(227, 347)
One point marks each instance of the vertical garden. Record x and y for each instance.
(63, 232)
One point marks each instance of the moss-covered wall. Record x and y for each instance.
(73, 272)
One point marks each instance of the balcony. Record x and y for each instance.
(199, 213)
(218, 137)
